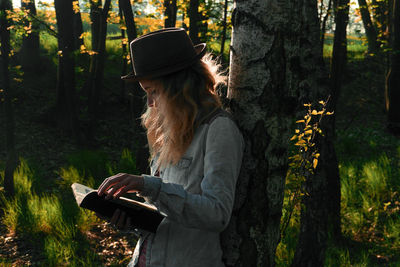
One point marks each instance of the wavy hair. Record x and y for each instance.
(183, 98)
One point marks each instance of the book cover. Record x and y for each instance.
(143, 216)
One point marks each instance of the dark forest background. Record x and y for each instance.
(66, 116)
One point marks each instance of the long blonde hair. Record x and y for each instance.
(171, 125)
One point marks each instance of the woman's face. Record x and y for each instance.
(152, 89)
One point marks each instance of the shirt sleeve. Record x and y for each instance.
(210, 210)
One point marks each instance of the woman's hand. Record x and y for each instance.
(119, 219)
(119, 184)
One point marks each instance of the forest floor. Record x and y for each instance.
(361, 104)
(47, 148)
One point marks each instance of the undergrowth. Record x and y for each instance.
(51, 221)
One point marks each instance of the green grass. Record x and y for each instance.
(369, 165)
(52, 222)
(356, 47)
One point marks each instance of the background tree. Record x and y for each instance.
(194, 20)
(324, 19)
(66, 112)
(392, 91)
(30, 53)
(78, 27)
(314, 218)
(170, 13)
(11, 163)
(320, 215)
(337, 71)
(125, 6)
(224, 26)
(369, 27)
(94, 84)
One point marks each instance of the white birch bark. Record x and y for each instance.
(262, 93)
(276, 66)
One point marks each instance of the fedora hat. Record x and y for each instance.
(162, 52)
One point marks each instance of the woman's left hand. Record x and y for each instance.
(119, 184)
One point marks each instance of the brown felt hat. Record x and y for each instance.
(162, 52)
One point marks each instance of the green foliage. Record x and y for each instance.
(301, 168)
(126, 164)
(370, 204)
(88, 164)
(53, 221)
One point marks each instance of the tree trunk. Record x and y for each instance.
(323, 25)
(369, 27)
(223, 39)
(66, 96)
(266, 84)
(392, 91)
(170, 13)
(320, 212)
(78, 27)
(380, 15)
(96, 72)
(11, 163)
(136, 100)
(30, 51)
(194, 20)
(337, 71)
(95, 18)
(124, 54)
(125, 6)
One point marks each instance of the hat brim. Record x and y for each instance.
(200, 51)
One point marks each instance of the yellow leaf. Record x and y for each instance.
(321, 102)
(307, 105)
(317, 155)
(300, 121)
(308, 132)
(314, 112)
(315, 163)
(308, 120)
(329, 113)
(386, 205)
(297, 131)
(293, 137)
(300, 143)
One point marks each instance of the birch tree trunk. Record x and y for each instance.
(264, 90)
(276, 66)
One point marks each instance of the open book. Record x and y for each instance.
(143, 216)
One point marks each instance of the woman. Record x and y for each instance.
(196, 151)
